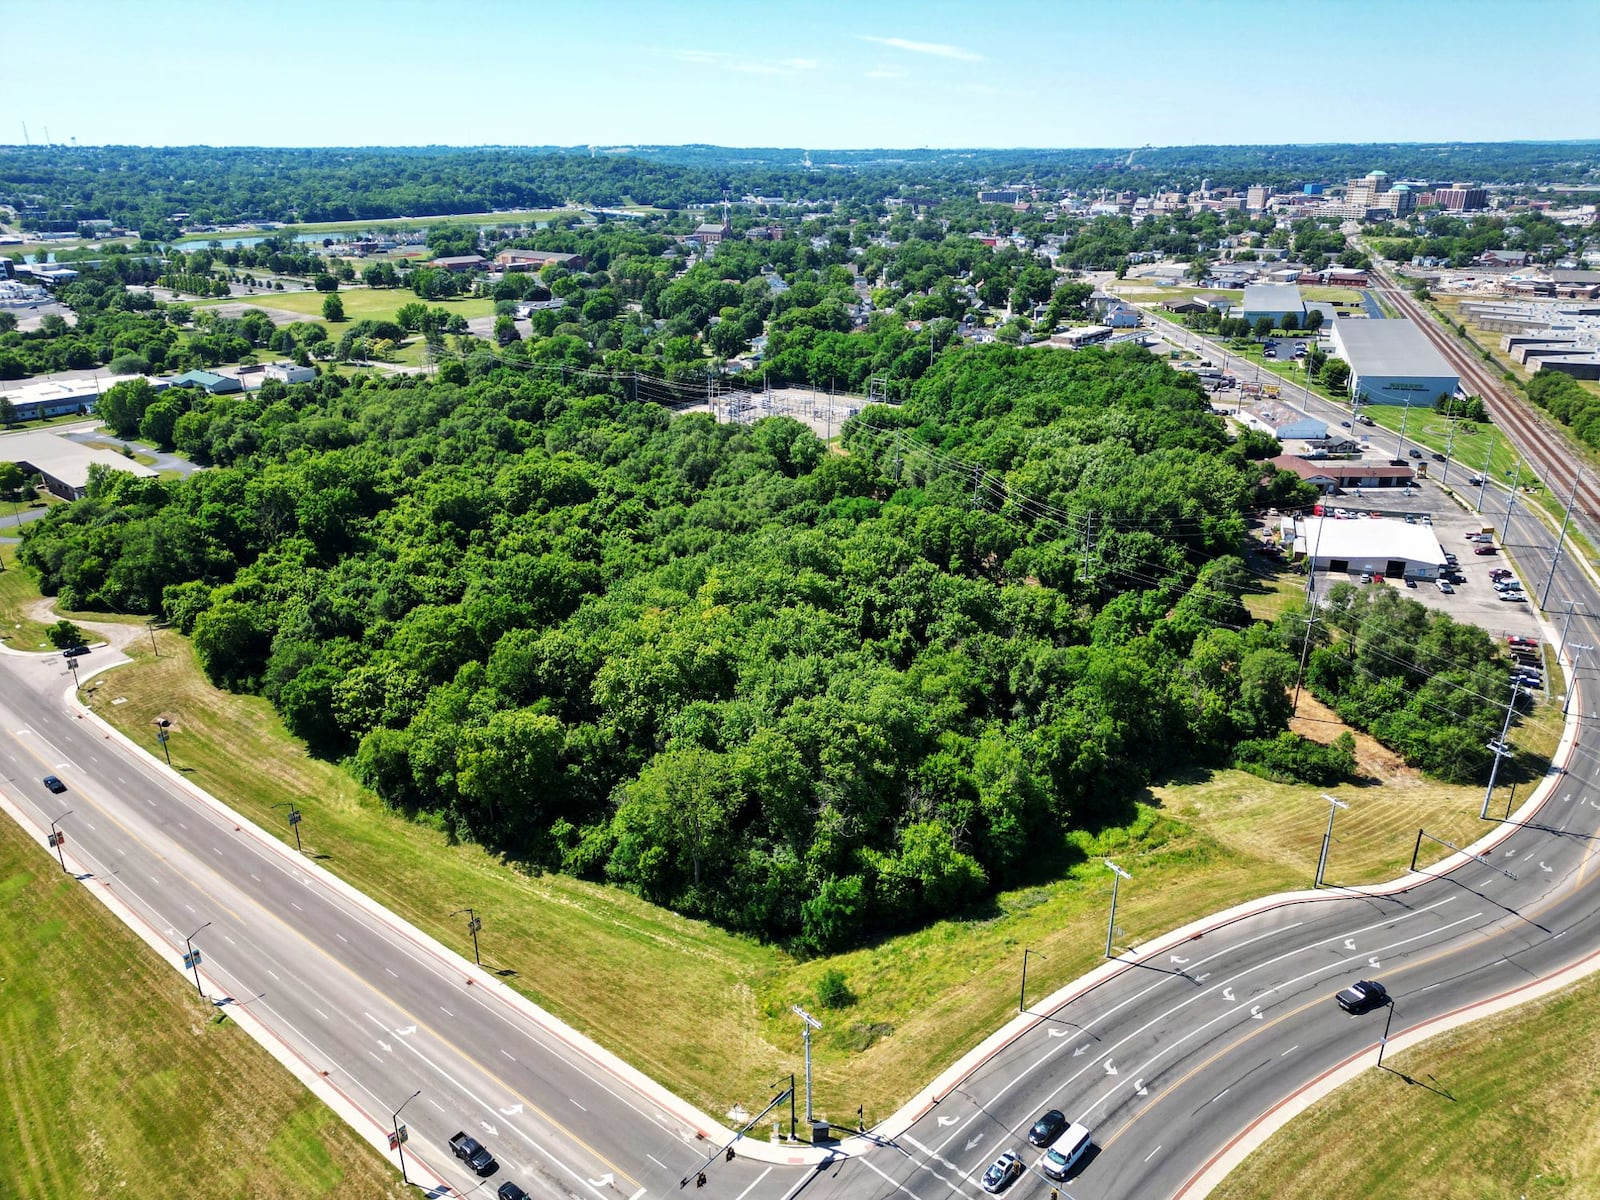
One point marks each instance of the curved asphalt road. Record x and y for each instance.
(1167, 1056)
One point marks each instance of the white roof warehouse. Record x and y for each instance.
(1392, 362)
(1384, 547)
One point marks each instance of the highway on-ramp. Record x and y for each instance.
(1168, 1054)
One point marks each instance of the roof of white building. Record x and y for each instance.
(1389, 347)
(1365, 538)
(63, 459)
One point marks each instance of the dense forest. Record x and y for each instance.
(811, 694)
(141, 188)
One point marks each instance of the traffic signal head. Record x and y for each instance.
(729, 1155)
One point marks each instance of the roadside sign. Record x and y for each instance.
(399, 1136)
(58, 839)
(294, 817)
(191, 960)
(474, 925)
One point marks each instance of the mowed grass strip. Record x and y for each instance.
(18, 592)
(117, 1080)
(1504, 1107)
(719, 1029)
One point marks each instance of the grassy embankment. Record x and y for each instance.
(117, 1080)
(1506, 1107)
(720, 1029)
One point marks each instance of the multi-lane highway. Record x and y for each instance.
(1168, 1055)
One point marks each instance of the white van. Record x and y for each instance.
(1065, 1151)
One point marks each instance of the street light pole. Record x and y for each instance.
(1387, 1021)
(57, 839)
(1334, 805)
(399, 1137)
(161, 724)
(1021, 1006)
(1117, 876)
(294, 822)
(1566, 521)
(1572, 677)
(473, 925)
(1449, 444)
(192, 959)
(1483, 476)
(1499, 748)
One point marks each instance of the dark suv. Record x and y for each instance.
(1360, 996)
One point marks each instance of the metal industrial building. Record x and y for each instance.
(1394, 549)
(63, 464)
(1392, 362)
(1273, 301)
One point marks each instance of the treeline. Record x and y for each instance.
(808, 695)
(1565, 399)
(141, 188)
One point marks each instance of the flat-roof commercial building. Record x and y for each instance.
(1391, 548)
(63, 464)
(1273, 301)
(1345, 474)
(60, 397)
(1282, 422)
(1392, 362)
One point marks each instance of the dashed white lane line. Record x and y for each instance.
(274, 974)
(257, 878)
(446, 1011)
(509, 1055)
(655, 1160)
(183, 826)
(391, 972)
(295, 906)
(374, 1056)
(1152, 1154)
(1219, 1095)
(89, 827)
(897, 1187)
(576, 1105)
(229, 940)
(190, 907)
(121, 780)
(437, 1105)
(321, 1014)
(1290, 1050)
(342, 938)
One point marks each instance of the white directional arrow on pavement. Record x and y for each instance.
(1202, 978)
(974, 1140)
(1139, 1089)
(1179, 961)
(1542, 866)
(1511, 853)
(948, 1120)
(388, 1049)
(1060, 1032)
(1255, 1012)
(512, 1111)
(489, 1129)
(605, 1180)
(1227, 993)
(406, 1031)
(1349, 943)
(1079, 1050)
(1374, 963)
(1111, 1068)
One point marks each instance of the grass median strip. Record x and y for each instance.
(116, 1080)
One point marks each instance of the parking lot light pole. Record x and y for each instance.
(1334, 805)
(57, 838)
(1117, 876)
(1499, 749)
(399, 1138)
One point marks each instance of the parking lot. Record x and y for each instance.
(1474, 600)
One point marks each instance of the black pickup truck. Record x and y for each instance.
(467, 1148)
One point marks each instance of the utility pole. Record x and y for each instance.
(811, 1023)
(1566, 521)
(1500, 749)
(1565, 625)
(1449, 443)
(473, 925)
(1483, 476)
(1511, 498)
(1405, 417)
(1022, 994)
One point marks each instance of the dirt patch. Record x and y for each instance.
(1316, 721)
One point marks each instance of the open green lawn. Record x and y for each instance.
(519, 216)
(1504, 1108)
(720, 1028)
(360, 304)
(18, 592)
(117, 1080)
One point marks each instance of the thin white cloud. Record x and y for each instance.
(938, 49)
(887, 73)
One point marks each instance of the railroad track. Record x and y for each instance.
(1536, 440)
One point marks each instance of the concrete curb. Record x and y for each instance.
(369, 1127)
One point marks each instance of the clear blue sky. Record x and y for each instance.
(831, 73)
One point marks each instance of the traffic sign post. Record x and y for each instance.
(161, 736)
(192, 959)
(58, 839)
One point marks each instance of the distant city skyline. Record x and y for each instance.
(826, 74)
